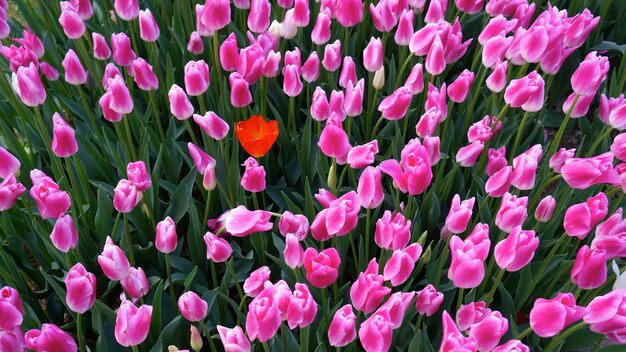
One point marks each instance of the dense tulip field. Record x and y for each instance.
(379, 175)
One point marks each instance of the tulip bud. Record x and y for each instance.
(148, 28)
(379, 78)
(196, 339)
(75, 74)
(544, 210)
(195, 45)
(63, 140)
(166, 238)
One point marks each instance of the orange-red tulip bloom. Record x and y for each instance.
(257, 136)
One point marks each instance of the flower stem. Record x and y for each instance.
(559, 134)
(562, 336)
(459, 299)
(208, 336)
(234, 275)
(216, 62)
(520, 129)
(129, 241)
(79, 332)
(524, 333)
(495, 286)
(168, 267)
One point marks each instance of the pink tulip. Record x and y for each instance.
(376, 332)
(196, 77)
(605, 315)
(435, 61)
(368, 291)
(101, 50)
(110, 71)
(192, 307)
(428, 300)
(148, 28)
(136, 283)
(581, 173)
(127, 196)
(127, 9)
(482, 130)
(415, 82)
(470, 314)
(113, 261)
(405, 31)
(333, 140)
(497, 79)
(453, 340)
(12, 340)
(517, 250)
(458, 90)
(350, 12)
(395, 106)
(132, 324)
(336, 105)
(120, 101)
(212, 125)
(293, 252)
(373, 55)
(401, 264)
(525, 168)
(229, 53)
(488, 331)
(414, 172)
(560, 157)
(459, 216)
(251, 60)
(397, 305)
(590, 74)
(217, 249)
(545, 209)
(241, 222)
(513, 211)
(19, 56)
(270, 66)
(180, 106)
(216, 14)
(263, 319)
(467, 155)
(311, 68)
(27, 84)
(589, 270)
(253, 179)
(320, 108)
(51, 201)
(526, 92)
(75, 74)
(50, 338)
(200, 159)
(51, 73)
(436, 11)
(613, 111)
(70, 20)
(610, 235)
(259, 16)
(144, 75)
(436, 98)
(201, 27)
(63, 140)
(10, 190)
(347, 76)
(581, 108)
(393, 231)
(469, 6)
(512, 346)
(341, 330)
(321, 31)
(292, 84)
(321, 268)
(332, 56)
(383, 17)
(234, 340)
(361, 156)
(9, 164)
(239, 91)
(293, 57)
(370, 188)
(302, 307)
(581, 218)
(338, 219)
(353, 101)
(618, 147)
(301, 13)
(64, 235)
(294, 224)
(138, 175)
(548, 317)
(166, 238)
(195, 45)
(123, 53)
(107, 112)
(255, 283)
(467, 268)
(11, 308)
(432, 145)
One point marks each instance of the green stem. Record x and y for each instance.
(216, 62)
(234, 275)
(459, 299)
(129, 241)
(208, 336)
(599, 140)
(168, 267)
(520, 130)
(495, 286)
(524, 333)
(129, 139)
(134, 348)
(79, 332)
(266, 347)
(559, 134)
(562, 336)
(367, 235)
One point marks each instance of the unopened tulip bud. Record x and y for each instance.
(379, 78)
(426, 255)
(422, 239)
(332, 177)
(196, 339)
